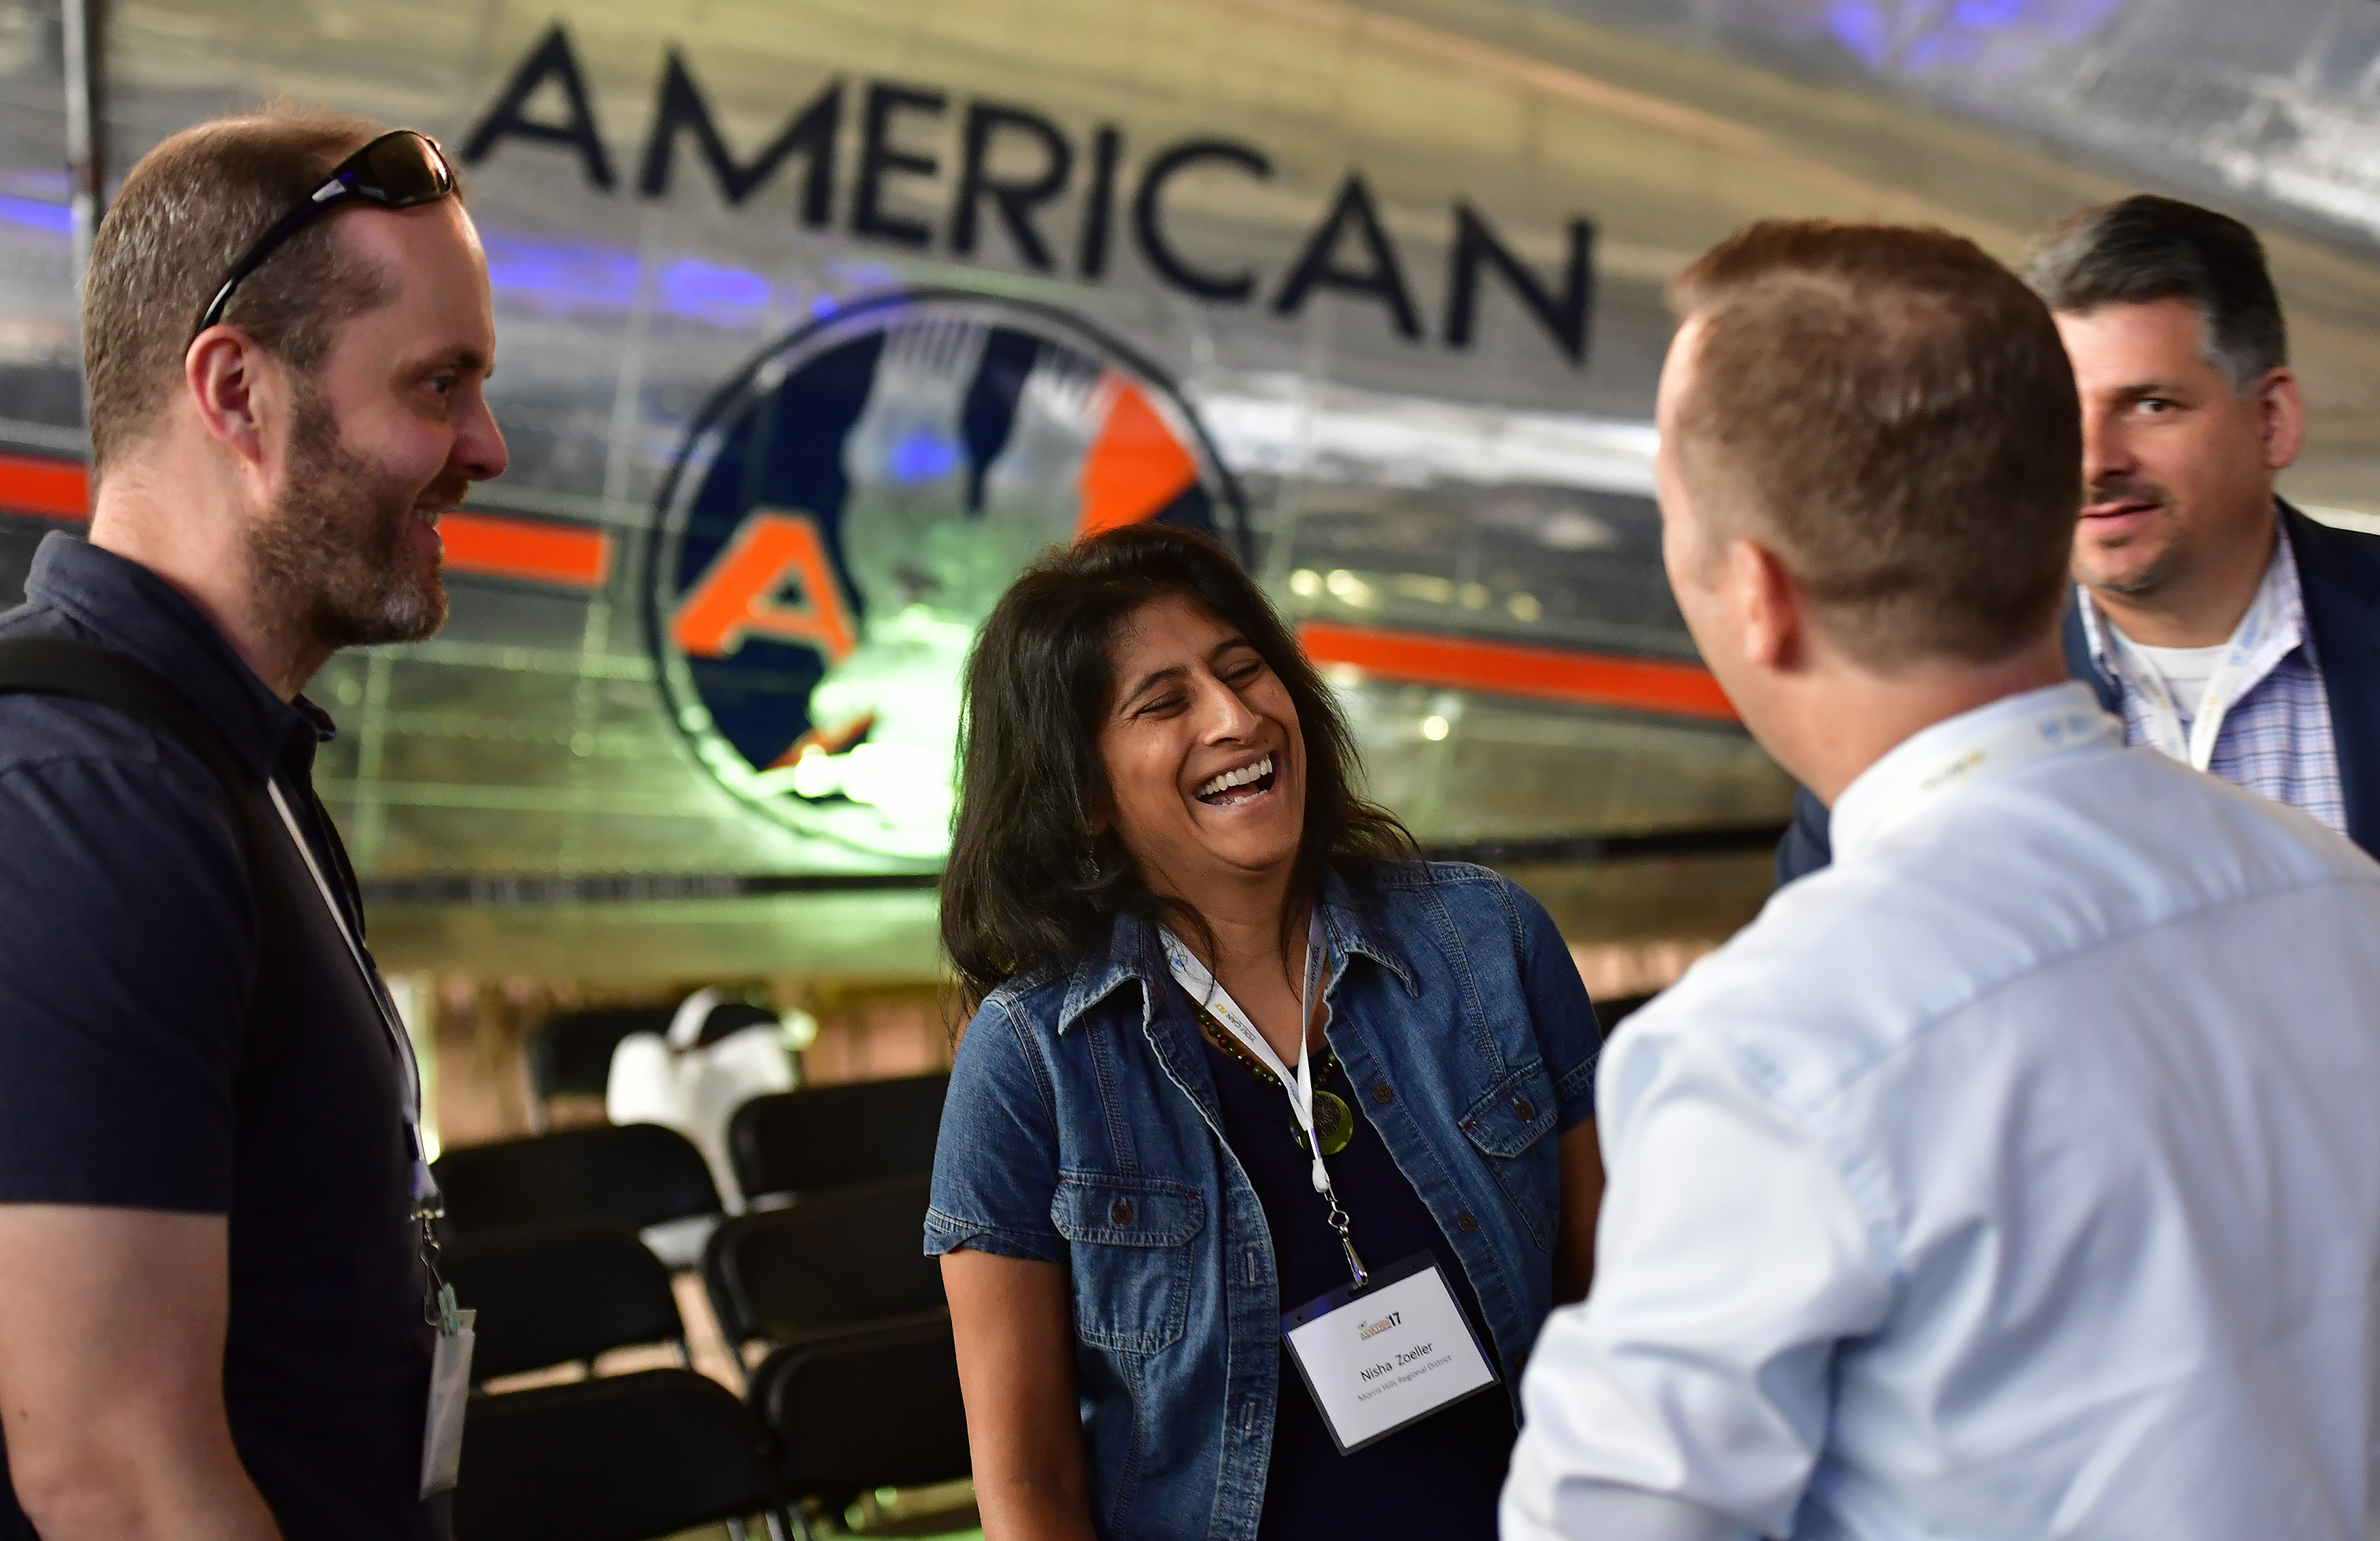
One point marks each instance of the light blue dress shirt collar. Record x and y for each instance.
(1961, 751)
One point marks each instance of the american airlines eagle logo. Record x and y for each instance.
(846, 513)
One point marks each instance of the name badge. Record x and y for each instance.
(450, 1392)
(1388, 1355)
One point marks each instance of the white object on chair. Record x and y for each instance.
(695, 1087)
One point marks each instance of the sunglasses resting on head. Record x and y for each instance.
(399, 170)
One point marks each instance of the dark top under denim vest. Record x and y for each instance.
(1440, 1477)
(1083, 1128)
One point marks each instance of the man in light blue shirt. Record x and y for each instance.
(2015, 1176)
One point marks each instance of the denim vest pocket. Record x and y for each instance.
(1507, 1125)
(1130, 1237)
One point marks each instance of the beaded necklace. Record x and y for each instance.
(1334, 1122)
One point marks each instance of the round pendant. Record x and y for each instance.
(1334, 1122)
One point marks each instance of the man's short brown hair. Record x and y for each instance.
(1892, 413)
(2143, 248)
(186, 213)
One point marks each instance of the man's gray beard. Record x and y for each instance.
(2151, 579)
(338, 551)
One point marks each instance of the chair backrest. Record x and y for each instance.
(559, 1293)
(838, 1261)
(1610, 1013)
(636, 1174)
(628, 1458)
(570, 1053)
(826, 1137)
(876, 1408)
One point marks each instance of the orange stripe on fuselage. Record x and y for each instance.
(485, 545)
(45, 489)
(493, 546)
(1513, 669)
(1131, 474)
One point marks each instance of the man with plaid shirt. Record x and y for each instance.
(2227, 628)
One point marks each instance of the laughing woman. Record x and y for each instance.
(1269, 1145)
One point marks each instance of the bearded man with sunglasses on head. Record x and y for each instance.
(218, 1318)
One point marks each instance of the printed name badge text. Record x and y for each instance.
(1379, 1359)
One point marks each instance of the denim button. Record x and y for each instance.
(1122, 1213)
(1381, 1094)
(1465, 1222)
(1523, 1109)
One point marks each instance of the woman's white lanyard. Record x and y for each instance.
(2256, 645)
(1203, 987)
(425, 1187)
(2054, 730)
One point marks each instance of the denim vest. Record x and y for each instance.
(1081, 1128)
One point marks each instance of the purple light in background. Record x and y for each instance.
(1997, 35)
(1987, 13)
(699, 287)
(561, 273)
(922, 457)
(55, 217)
(1859, 27)
(823, 306)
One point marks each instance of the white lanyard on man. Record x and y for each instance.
(442, 1444)
(2054, 729)
(1393, 1347)
(1203, 987)
(2259, 641)
(425, 1188)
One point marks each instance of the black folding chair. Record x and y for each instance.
(561, 1294)
(570, 1054)
(824, 1265)
(1610, 1015)
(852, 1411)
(628, 1458)
(634, 1174)
(826, 1137)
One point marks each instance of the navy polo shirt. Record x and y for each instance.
(127, 948)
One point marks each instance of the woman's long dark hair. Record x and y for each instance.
(1028, 882)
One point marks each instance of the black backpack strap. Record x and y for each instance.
(61, 666)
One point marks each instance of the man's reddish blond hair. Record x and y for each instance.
(1889, 411)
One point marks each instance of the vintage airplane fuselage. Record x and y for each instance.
(818, 322)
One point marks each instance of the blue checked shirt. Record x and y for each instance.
(2277, 739)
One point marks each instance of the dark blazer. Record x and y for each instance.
(2338, 571)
